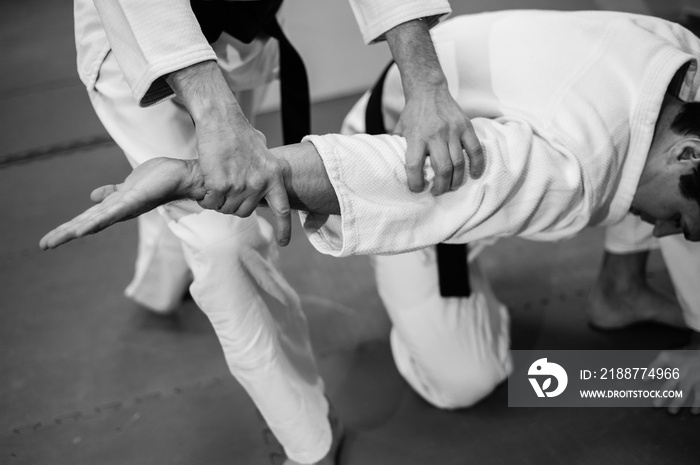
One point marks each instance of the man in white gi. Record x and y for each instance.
(592, 126)
(621, 296)
(134, 54)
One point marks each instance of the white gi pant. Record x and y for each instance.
(231, 262)
(452, 351)
(682, 259)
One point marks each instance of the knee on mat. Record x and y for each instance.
(469, 385)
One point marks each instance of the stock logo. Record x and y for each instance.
(542, 369)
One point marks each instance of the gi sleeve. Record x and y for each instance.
(376, 17)
(150, 39)
(529, 189)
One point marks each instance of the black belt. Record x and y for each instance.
(247, 20)
(294, 88)
(453, 270)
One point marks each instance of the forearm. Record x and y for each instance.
(414, 53)
(306, 179)
(529, 189)
(203, 90)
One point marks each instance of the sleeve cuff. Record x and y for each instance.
(152, 88)
(329, 233)
(374, 23)
(378, 214)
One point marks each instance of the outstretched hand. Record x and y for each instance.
(155, 182)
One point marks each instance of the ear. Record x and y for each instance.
(687, 151)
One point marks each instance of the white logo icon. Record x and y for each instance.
(542, 367)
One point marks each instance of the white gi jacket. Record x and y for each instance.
(574, 97)
(152, 38)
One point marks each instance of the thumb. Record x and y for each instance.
(101, 193)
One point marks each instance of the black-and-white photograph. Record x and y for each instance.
(350, 232)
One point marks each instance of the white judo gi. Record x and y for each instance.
(125, 47)
(573, 99)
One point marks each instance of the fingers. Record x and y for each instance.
(455, 166)
(83, 224)
(415, 160)
(447, 160)
(79, 226)
(231, 205)
(55, 238)
(477, 162)
(458, 164)
(213, 200)
(661, 361)
(279, 204)
(248, 206)
(98, 217)
(277, 201)
(673, 404)
(101, 193)
(442, 166)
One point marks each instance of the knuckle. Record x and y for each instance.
(436, 136)
(257, 183)
(235, 189)
(215, 184)
(414, 166)
(283, 210)
(443, 170)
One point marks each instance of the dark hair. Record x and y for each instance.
(686, 122)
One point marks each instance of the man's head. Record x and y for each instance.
(668, 194)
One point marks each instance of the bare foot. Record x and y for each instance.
(621, 296)
(338, 431)
(614, 309)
